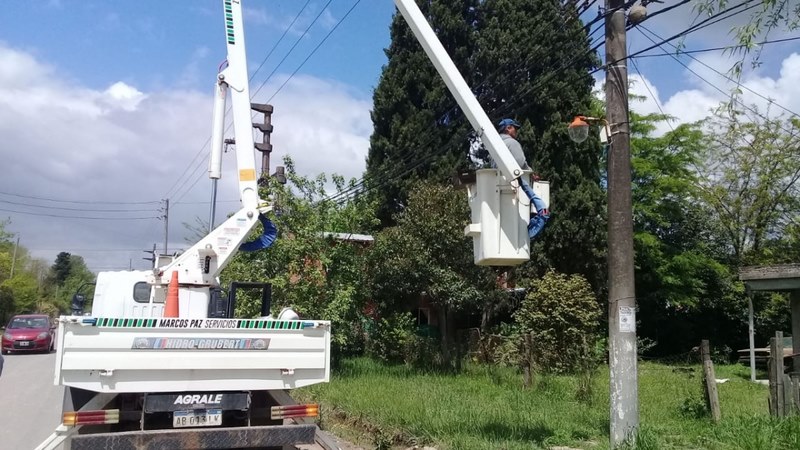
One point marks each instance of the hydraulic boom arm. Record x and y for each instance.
(203, 262)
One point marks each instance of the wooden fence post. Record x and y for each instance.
(776, 375)
(710, 383)
(527, 360)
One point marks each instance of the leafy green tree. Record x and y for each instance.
(684, 292)
(562, 315)
(6, 250)
(426, 255)
(61, 268)
(749, 178)
(25, 291)
(79, 274)
(311, 268)
(419, 132)
(768, 16)
(7, 304)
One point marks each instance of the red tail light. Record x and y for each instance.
(288, 412)
(100, 417)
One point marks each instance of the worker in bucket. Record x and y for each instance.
(508, 129)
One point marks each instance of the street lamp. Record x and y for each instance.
(579, 128)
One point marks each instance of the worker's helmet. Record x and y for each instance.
(506, 122)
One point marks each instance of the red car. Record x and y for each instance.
(29, 333)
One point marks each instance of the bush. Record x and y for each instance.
(562, 315)
(422, 352)
(389, 336)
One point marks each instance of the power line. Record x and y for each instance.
(77, 217)
(668, 8)
(711, 20)
(358, 188)
(85, 202)
(738, 83)
(74, 209)
(655, 99)
(315, 48)
(744, 105)
(544, 79)
(715, 49)
(292, 48)
(279, 40)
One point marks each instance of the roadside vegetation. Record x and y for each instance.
(486, 407)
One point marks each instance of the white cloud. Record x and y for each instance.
(765, 94)
(124, 96)
(64, 140)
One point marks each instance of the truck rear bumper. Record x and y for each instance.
(198, 438)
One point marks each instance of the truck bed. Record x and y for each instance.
(115, 355)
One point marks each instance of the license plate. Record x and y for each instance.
(24, 343)
(197, 418)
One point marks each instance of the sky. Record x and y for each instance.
(105, 106)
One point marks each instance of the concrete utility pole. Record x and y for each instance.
(624, 390)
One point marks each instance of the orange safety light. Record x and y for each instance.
(292, 411)
(100, 417)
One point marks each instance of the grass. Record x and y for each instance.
(485, 407)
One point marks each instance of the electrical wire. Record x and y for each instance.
(75, 209)
(715, 49)
(315, 49)
(655, 99)
(279, 41)
(744, 105)
(293, 47)
(711, 20)
(84, 202)
(76, 217)
(738, 83)
(721, 15)
(667, 9)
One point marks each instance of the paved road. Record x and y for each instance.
(31, 404)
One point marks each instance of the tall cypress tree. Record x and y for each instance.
(532, 64)
(419, 130)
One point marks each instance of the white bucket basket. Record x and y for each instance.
(500, 213)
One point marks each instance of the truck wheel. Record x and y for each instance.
(5, 352)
